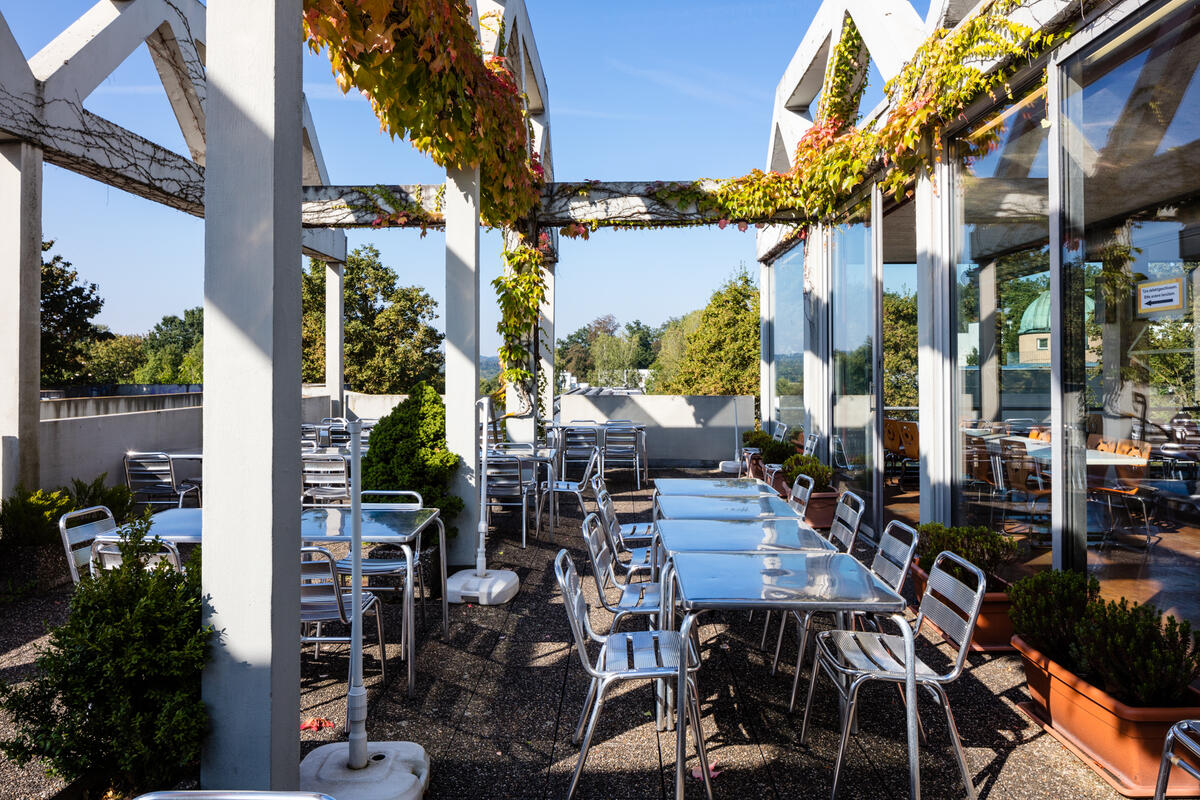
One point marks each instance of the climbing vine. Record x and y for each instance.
(420, 64)
(520, 290)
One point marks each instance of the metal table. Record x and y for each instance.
(723, 536)
(713, 487)
(330, 525)
(682, 506)
(784, 581)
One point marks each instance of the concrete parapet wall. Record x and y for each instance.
(83, 447)
(373, 406)
(680, 430)
(63, 408)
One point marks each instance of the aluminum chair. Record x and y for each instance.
(633, 656)
(810, 444)
(151, 478)
(893, 558)
(79, 542)
(507, 487)
(324, 599)
(1185, 734)
(576, 447)
(628, 535)
(325, 479)
(780, 431)
(232, 794)
(640, 560)
(553, 488)
(852, 658)
(637, 599)
(373, 567)
(623, 446)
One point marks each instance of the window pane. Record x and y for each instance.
(791, 326)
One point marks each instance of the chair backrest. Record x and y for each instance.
(145, 470)
(320, 588)
(593, 463)
(780, 431)
(339, 436)
(894, 555)
(599, 552)
(838, 452)
(801, 490)
(576, 439)
(576, 606)
(504, 476)
(909, 439)
(810, 444)
(608, 515)
(78, 535)
(891, 436)
(1093, 440)
(319, 471)
(620, 438)
(952, 604)
(846, 518)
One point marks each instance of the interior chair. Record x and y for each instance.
(636, 599)
(151, 478)
(622, 657)
(325, 479)
(79, 531)
(852, 658)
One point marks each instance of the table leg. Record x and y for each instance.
(445, 593)
(409, 628)
(681, 709)
(910, 707)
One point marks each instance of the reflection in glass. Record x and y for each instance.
(1002, 319)
(1131, 247)
(901, 439)
(790, 331)
(853, 315)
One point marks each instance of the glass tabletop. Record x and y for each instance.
(732, 508)
(684, 535)
(713, 487)
(378, 524)
(795, 580)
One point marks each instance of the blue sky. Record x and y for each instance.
(637, 91)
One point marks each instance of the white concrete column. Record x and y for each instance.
(252, 394)
(335, 348)
(20, 313)
(766, 340)
(546, 332)
(935, 367)
(462, 350)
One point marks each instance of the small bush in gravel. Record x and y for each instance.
(31, 518)
(116, 694)
(117, 499)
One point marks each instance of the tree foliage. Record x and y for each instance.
(722, 354)
(115, 360)
(671, 346)
(174, 350)
(389, 344)
(899, 349)
(68, 307)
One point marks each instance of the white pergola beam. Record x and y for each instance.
(251, 579)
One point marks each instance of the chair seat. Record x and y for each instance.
(325, 609)
(566, 486)
(644, 598)
(378, 566)
(647, 653)
(878, 654)
(157, 489)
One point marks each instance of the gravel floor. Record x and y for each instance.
(497, 703)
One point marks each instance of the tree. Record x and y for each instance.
(68, 307)
(614, 357)
(574, 354)
(115, 360)
(645, 340)
(671, 346)
(174, 350)
(722, 355)
(389, 344)
(899, 349)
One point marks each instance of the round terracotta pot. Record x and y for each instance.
(1122, 743)
(821, 506)
(993, 630)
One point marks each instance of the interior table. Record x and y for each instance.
(783, 581)
(714, 487)
(684, 506)
(331, 525)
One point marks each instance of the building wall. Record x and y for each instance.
(680, 430)
(96, 406)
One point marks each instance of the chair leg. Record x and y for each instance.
(847, 716)
(524, 523)
(587, 739)
(802, 631)
(779, 642)
(382, 645)
(587, 703)
(698, 732)
(812, 685)
(766, 627)
(958, 748)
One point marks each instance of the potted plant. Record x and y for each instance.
(1108, 678)
(823, 501)
(987, 549)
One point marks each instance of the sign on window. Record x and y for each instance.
(1154, 297)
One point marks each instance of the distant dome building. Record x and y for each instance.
(1033, 334)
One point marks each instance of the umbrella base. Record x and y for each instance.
(394, 771)
(495, 587)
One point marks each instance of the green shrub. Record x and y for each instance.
(408, 451)
(799, 464)
(1131, 653)
(118, 499)
(117, 690)
(31, 518)
(773, 452)
(1047, 608)
(756, 438)
(987, 549)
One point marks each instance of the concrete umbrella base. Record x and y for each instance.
(394, 771)
(492, 587)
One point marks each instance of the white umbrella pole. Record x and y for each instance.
(356, 701)
(484, 403)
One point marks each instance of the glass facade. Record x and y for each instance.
(898, 382)
(790, 334)
(1000, 323)
(853, 316)
(1130, 143)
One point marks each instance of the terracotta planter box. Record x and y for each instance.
(821, 506)
(993, 630)
(755, 467)
(780, 486)
(1122, 743)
